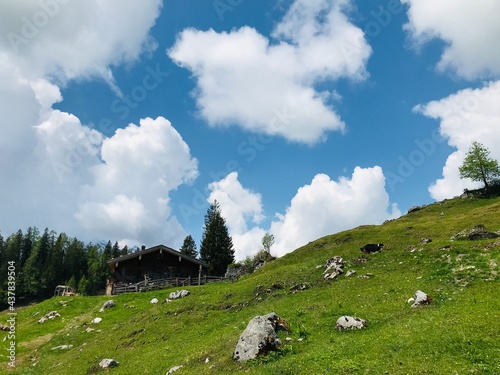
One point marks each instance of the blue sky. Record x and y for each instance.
(302, 118)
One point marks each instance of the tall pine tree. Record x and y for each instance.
(216, 245)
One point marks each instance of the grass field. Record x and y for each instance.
(458, 333)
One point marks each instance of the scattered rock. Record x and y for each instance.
(259, 337)
(108, 363)
(89, 329)
(425, 240)
(333, 267)
(350, 322)
(173, 369)
(96, 320)
(479, 232)
(261, 263)
(300, 287)
(178, 294)
(154, 300)
(361, 260)
(350, 273)
(367, 276)
(49, 316)
(420, 298)
(4, 327)
(62, 347)
(107, 305)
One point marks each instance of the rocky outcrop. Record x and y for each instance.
(299, 287)
(333, 267)
(259, 337)
(414, 209)
(350, 322)
(49, 316)
(178, 294)
(479, 232)
(107, 305)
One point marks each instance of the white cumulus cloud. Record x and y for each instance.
(246, 79)
(58, 172)
(469, 29)
(467, 116)
(140, 166)
(320, 208)
(76, 39)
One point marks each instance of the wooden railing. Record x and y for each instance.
(143, 286)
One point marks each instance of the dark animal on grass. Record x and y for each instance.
(372, 247)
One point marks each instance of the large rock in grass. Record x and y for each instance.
(350, 322)
(420, 298)
(479, 232)
(333, 267)
(259, 337)
(107, 305)
(108, 363)
(178, 294)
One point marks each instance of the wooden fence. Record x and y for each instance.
(143, 286)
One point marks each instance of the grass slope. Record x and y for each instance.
(457, 334)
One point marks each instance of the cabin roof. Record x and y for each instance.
(163, 248)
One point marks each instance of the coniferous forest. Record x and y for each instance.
(43, 260)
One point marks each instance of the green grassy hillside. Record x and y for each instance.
(458, 333)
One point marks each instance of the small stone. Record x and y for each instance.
(97, 320)
(421, 298)
(108, 363)
(178, 294)
(107, 305)
(154, 300)
(173, 369)
(350, 322)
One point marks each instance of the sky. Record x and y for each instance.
(123, 121)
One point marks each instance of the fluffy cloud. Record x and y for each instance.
(58, 172)
(75, 39)
(129, 196)
(268, 86)
(318, 209)
(326, 206)
(467, 116)
(470, 30)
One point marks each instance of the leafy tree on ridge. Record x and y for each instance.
(478, 166)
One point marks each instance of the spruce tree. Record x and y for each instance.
(189, 247)
(216, 245)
